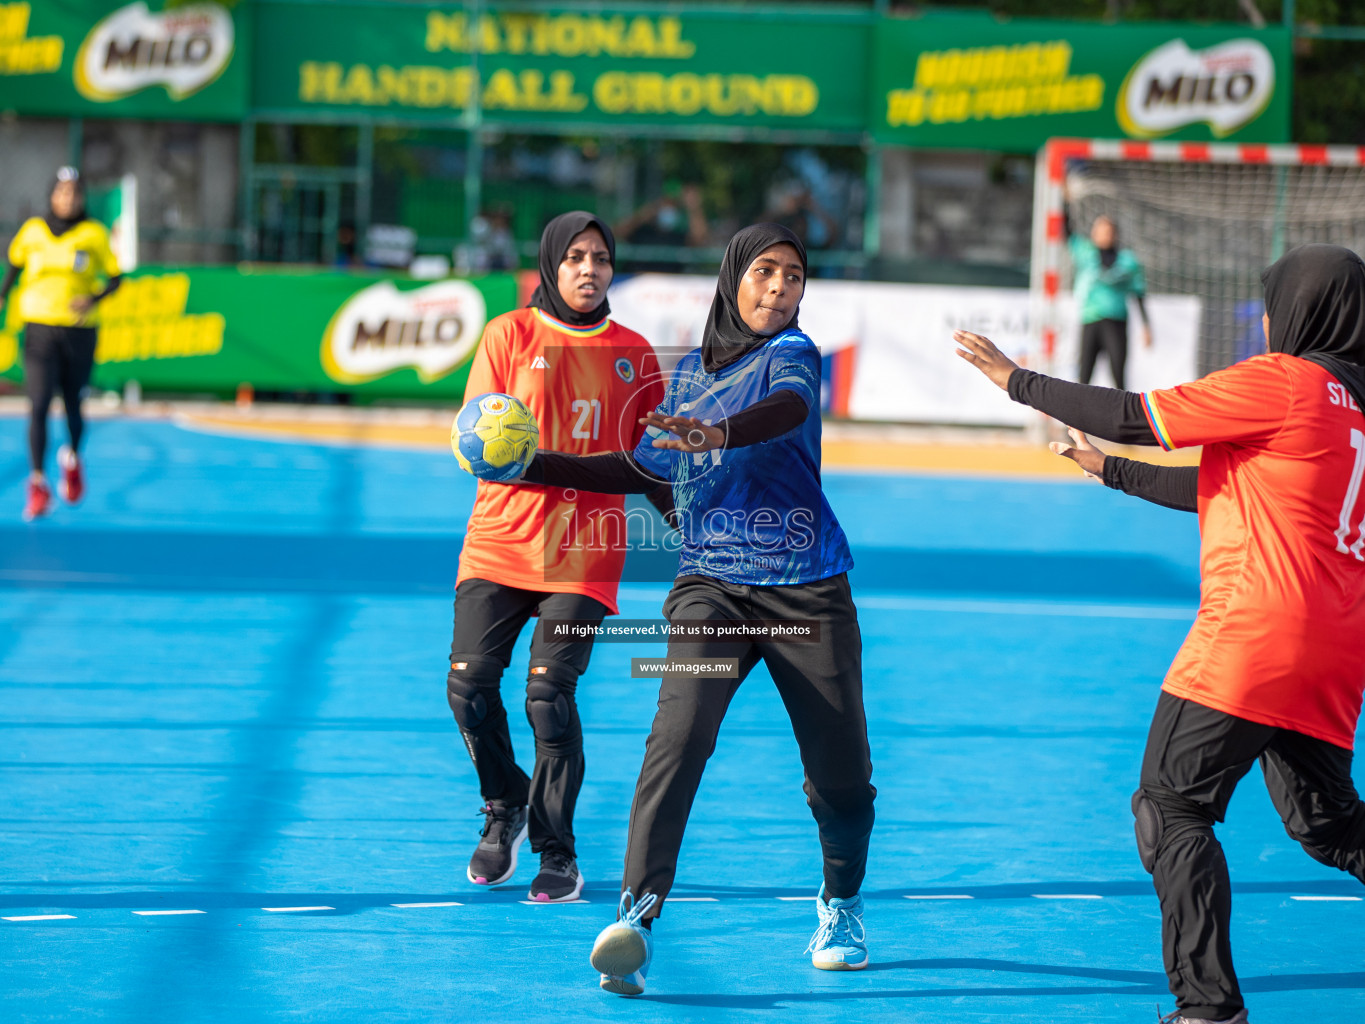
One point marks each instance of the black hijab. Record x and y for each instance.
(727, 337)
(1315, 298)
(554, 246)
(61, 225)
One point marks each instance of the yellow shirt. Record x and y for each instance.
(57, 270)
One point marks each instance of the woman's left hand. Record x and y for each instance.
(982, 353)
(82, 304)
(1082, 453)
(692, 434)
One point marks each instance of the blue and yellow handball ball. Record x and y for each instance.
(494, 437)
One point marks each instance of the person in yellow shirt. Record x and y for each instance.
(68, 267)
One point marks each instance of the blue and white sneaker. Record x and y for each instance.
(840, 943)
(624, 948)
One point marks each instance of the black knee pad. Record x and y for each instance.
(471, 682)
(550, 688)
(1148, 826)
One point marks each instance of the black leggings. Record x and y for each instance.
(821, 685)
(488, 619)
(55, 357)
(1111, 337)
(1195, 758)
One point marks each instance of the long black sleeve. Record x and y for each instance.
(1104, 412)
(607, 473)
(1175, 487)
(662, 499)
(11, 275)
(771, 417)
(110, 287)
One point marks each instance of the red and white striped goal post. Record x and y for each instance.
(1048, 240)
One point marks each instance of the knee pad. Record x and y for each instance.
(472, 688)
(549, 700)
(1148, 826)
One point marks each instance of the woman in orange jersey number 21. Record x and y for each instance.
(528, 551)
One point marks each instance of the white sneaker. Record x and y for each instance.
(840, 943)
(624, 949)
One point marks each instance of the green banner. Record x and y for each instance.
(210, 329)
(670, 66)
(974, 82)
(108, 59)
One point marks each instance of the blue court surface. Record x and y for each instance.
(231, 790)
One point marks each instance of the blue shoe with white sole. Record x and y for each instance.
(840, 943)
(624, 948)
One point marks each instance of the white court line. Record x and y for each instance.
(165, 913)
(794, 899)
(1326, 899)
(44, 917)
(1066, 896)
(692, 899)
(918, 896)
(416, 906)
(549, 903)
(293, 910)
(1091, 611)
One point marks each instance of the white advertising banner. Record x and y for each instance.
(903, 361)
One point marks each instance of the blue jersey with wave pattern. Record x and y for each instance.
(755, 515)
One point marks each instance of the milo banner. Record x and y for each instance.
(109, 59)
(581, 65)
(210, 329)
(974, 82)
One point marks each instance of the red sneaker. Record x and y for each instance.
(39, 501)
(72, 486)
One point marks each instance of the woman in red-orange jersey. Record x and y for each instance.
(1274, 667)
(532, 551)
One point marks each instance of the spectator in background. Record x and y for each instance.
(490, 246)
(674, 219)
(1105, 276)
(346, 247)
(795, 207)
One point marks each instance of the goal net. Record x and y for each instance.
(1204, 219)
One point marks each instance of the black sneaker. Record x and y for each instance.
(495, 858)
(559, 880)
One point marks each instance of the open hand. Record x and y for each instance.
(81, 305)
(982, 353)
(1084, 454)
(692, 435)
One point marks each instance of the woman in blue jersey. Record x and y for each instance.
(738, 436)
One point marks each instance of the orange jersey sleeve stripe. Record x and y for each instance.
(1154, 420)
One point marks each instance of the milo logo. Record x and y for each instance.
(380, 329)
(1226, 87)
(182, 50)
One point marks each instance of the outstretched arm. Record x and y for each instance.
(606, 473)
(1105, 412)
(1174, 487)
(779, 413)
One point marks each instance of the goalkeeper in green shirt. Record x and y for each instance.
(1105, 276)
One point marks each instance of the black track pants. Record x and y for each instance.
(1195, 758)
(488, 619)
(55, 357)
(1109, 337)
(822, 688)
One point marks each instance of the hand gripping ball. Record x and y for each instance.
(494, 437)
